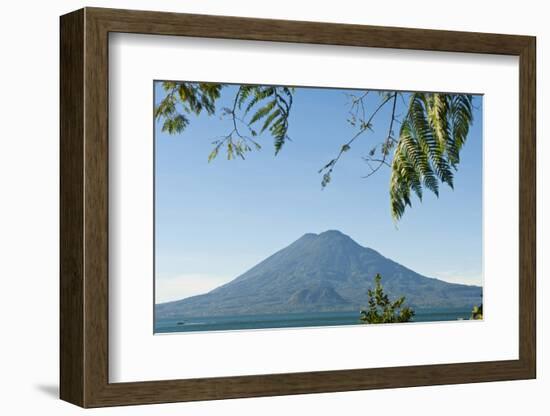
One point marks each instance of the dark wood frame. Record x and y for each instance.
(84, 207)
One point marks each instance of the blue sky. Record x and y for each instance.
(216, 220)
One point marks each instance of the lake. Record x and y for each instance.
(292, 320)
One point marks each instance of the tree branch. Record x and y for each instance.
(389, 140)
(328, 168)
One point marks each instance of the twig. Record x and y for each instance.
(389, 139)
(365, 126)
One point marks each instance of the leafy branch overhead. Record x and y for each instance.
(427, 149)
(255, 109)
(184, 98)
(425, 152)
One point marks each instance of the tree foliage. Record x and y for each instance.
(271, 107)
(428, 149)
(423, 154)
(255, 110)
(183, 98)
(477, 312)
(383, 311)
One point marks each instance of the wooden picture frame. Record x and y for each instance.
(84, 207)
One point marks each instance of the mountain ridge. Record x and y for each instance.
(317, 273)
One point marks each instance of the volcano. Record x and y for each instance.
(320, 273)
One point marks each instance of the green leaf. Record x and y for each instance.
(213, 154)
(262, 112)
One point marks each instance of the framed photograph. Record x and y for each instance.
(255, 207)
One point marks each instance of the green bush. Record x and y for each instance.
(477, 312)
(383, 311)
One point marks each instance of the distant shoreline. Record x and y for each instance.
(292, 320)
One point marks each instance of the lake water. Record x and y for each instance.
(290, 320)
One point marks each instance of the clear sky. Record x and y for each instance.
(216, 220)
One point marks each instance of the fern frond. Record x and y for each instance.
(263, 111)
(430, 139)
